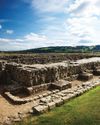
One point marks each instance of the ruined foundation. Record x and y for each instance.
(44, 86)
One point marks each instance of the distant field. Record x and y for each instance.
(83, 110)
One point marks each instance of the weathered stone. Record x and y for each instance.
(85, 76)
(61, 85)
(55, 96)
(32, 82)
(58, 102)
(51, 105)
(16, 119)
(40, 74)
(96, 72)
(45, 94)
(55, 91)
(40, 96)
(49, 92)
(36, 97)
(30, 90)
(61, 94)
(40, 109)
(15, 99)
(65, 98)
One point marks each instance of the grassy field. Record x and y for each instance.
(83, 110)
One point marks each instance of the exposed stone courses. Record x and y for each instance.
(41, 87)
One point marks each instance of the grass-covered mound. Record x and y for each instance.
(83, 110)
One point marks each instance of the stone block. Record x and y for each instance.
(36, 97)
(45, 94)
(30, 90)
(51, 105)
(65, 98)
(85, 76)
(96, 72)
(61, 85)
(40, 109)
(17, 100)
(58, 102)
(60, 94)
(40, 96)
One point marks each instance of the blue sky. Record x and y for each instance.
(26, 24)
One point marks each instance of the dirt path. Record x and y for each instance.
(9, 111)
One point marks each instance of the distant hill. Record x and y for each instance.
(96, 48)
(61, 49)
(64, 49)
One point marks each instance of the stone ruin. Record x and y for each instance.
(47, 85)
(44, 58)
(40, 77)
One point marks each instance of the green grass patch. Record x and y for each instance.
(83, 110)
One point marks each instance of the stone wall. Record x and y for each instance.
(2, 72)
(44, 58)
(31, 75)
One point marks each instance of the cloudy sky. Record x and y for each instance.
(28, 24)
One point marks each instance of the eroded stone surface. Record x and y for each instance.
(40, 74)
(85, 76)
(61, 85)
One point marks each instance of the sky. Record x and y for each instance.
(26, 24)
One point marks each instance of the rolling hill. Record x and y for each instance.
(64, 49)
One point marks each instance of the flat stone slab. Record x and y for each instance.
(61, 85)
(61, 94)
(40, 109)
(65, 98)
(51, 105)
(46, 99)
(58, 102)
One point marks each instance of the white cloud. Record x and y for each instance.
(85, 8)
(83, 23)
(4, 40)
(49, 5)
(36, 40)
(9, 31)
(31, 40)
(35, 37)
(78, 4)
(82, 28)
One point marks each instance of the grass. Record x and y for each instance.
(83, 110)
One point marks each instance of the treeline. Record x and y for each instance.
(61, 49)
(65, 49)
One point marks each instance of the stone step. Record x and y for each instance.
(61, 85)
(85, 76)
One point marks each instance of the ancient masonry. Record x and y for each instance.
(48, 85)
